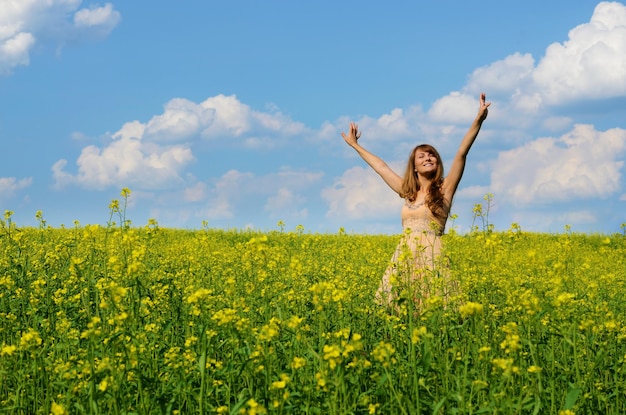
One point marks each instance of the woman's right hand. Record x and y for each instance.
(352, 137)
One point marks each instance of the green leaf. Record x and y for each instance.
(572, 396)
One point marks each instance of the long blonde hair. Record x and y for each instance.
(410, 184)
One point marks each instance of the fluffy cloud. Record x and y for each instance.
(584, 163)
(24, 22)
(14, 51)
(154, 155)
(126, 162)
(361, 194)
(104, 18)
(9, 185)
(398, 123)
(217, 117)
(591, 64)
(455, 108)
(282, 194)
(502, 77)
(286, 203)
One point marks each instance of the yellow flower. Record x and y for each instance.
(512, 341)
(417, 334)
(294, 322)
(298, 362)
(255, 407)
(383, 353)
(102, 386)
(566, 412)
(470, 309)
(534, 369)
(224, 316)
(270, 330)
(30, 339)
(57, 409)
(321, 380)
(190, 341)
(506, 365)
(114, 205)
(563, 298)
(199, 295)
(282, 383)
(8, 350)
(332, 354)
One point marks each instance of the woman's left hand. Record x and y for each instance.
(482, 110)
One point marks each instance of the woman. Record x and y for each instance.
(428, 198)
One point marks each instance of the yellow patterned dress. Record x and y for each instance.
(416, 270)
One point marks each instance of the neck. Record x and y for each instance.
(424, 183)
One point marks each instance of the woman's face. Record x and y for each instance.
(425, 162)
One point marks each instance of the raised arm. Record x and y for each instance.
(455, 173)
(389, 176)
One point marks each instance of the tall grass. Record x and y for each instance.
(119, 319)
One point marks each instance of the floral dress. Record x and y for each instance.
(416, 271)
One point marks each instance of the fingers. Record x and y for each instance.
(354, 129)
(354, 132)
(482, 100)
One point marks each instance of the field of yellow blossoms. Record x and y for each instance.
(121, 319)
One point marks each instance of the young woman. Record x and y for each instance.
(428, 198)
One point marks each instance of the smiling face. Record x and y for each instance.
(427, 162)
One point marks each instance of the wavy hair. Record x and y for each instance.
(410, 184)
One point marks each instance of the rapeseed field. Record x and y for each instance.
(122, 319)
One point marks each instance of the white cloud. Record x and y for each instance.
(399, 123)
(361, 194)
(584, 163)
(132, 129)
(472, 192)
(195, 193)
(591, 64)
(218, 117)
(126, 162)
(9, 185)
(540, 221)
(282, 194)
(285, 203)
(219, 208)
(14, 51)
(578, 217)
(557, 123)
(181, 120)
(104, 17)
(503, 76)
(455, 108)
(154, 154)
(233, 118)
(24, 23)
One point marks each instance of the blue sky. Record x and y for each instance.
(231, 112)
